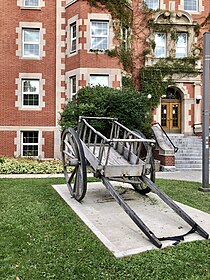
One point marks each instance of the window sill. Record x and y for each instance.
(31, 58)
(31, 8)
(30, 108)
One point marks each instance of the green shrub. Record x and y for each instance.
(130, 107)
(29, 166)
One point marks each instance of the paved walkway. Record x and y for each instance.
(194, 176)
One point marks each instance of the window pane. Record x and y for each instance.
(190, 5)
(99, 43)
(160, 45)
(31, 85)
(152, 4)
(30, 151)
(73, 86)
(73, 34)
(30, 137)
(101, 80)
(99, 35)
(30, 100)
(30, 92)
(31, 35)
(181, 45)
(31, 3)
(31, 50)
(31, 42)
(30, 143)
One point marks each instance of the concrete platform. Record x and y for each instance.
(108, 221)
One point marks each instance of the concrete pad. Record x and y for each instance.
(102, 214)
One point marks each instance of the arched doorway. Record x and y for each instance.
(171, 110)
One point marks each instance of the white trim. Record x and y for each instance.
(98, 17)
(19, 40)
(68, 37)
(18, 91)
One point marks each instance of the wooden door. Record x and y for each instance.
(171, 115)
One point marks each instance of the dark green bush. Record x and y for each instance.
(130, 107)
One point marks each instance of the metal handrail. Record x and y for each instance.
(175, 148)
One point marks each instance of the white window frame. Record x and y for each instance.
(105, 36)
(152, 4)
(73, 86)
(163, 46)
(190, 9)
(31, 6)
(185, 47)
(35, 144)
(73, 39)
(95, 76)
(30, 43)
(24, 93)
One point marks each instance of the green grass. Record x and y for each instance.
(41, 238)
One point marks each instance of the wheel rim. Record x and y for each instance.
(74, 166)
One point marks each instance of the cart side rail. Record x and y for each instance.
(126, 142)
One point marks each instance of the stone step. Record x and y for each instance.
(189, 166)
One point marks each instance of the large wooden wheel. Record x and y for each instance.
(140, 186)
(74, 163)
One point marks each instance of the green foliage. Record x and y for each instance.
(130, 107)
(119, 10)
(157, 78)
(29, 166)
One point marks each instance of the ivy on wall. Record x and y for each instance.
(154, 79)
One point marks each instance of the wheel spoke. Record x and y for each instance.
(70, 151)
(72, 175)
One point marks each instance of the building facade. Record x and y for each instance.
(52, 48)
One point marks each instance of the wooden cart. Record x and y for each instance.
(124, 156)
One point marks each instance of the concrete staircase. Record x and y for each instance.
(189, 155)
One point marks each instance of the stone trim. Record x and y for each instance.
(19, 40)
(20, 3)
(68, 35)
(18, 91)
(83, 74)
(97, 16)
(200, 7)
(60, 68)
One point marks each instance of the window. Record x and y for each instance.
(181, 45)
(99, 80)
(125, 35)
(73, 37)
(73, 86)
(31, 42)
(153, 4)
(30, 92)
(190, 5)
(160, 45)
(30, 141)
(31, 3)
(99, 35)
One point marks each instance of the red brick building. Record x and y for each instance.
(51, 48)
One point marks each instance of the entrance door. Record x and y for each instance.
(171, 115)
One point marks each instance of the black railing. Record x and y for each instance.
(175, 148)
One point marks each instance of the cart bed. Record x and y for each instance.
(114, 165)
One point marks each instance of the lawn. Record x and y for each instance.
(41, 238)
